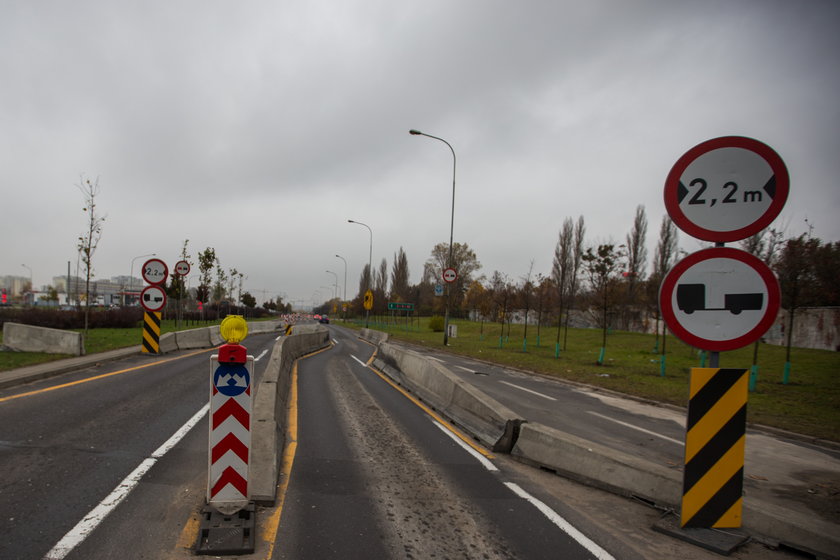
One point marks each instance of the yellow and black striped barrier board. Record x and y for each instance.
(151, 332)
(714, 448)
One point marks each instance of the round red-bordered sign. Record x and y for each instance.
(153, 298)
(182, 268)
(719, 299)
(450, 275)
(155, 271)
(726, 189)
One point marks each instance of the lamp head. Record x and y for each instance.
(414, 132)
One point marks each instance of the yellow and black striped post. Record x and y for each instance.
(151, 332)
(714, 448)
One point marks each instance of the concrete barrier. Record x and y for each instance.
(193, 338)
(597, 465)
(27, 338)
(268, 417)
(374, 337)
(489, 421)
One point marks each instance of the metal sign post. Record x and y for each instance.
(153, 300)
(722, 190)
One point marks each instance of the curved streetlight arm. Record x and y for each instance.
(414, 132)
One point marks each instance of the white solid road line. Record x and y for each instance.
(564, 525)
(626, 425)
(89, 522)
(263, 353)
(466, 369)
(528, 390)
(483, 460)
(358, 360)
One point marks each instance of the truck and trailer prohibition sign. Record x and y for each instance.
(719, 299)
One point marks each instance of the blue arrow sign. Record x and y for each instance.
(231, 379)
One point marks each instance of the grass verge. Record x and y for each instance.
(808, 404)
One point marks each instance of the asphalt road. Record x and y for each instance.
(111, 462)
(375, 476)
(65, 447)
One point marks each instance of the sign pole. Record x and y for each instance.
(153, 300)
(720, 299)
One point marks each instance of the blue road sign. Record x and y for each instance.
(231, 379)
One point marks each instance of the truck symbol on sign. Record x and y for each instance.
(692, 297)
(148, 297)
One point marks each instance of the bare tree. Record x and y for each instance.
(663, 259)
(561, 270)
(602, 266)
(577, 261)
(526, 294)
(89, 240)
(636, 262)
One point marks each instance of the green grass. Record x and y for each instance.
(809, 404)
(96, 340)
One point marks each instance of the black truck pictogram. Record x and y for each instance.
(692, 297)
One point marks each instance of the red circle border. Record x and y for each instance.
(766, 152)
(670, 281)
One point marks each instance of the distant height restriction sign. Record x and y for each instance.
(726, 189)
(719, 299)
(155, 271)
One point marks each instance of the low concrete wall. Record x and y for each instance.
(488, 420)
(597, 465)
(268, 418)
(26, 338)
(374, 337)
(193, 338)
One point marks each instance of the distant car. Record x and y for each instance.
(324, 320)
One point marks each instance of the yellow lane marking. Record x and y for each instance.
(272, 522)
(463, 437)
(103, 376)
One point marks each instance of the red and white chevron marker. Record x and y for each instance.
(230, 423)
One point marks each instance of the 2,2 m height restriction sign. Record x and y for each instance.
(726, 189)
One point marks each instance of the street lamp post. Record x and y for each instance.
(370, 267)
(451, 231)
(131, 274)
(31, 285)
(344, 301)
(335, 291)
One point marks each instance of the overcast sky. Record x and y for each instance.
(260, 128)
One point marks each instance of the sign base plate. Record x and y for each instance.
(225, 535)
(717, 540)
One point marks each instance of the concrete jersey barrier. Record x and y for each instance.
(28, 338)
(268, 418)
(485, 418)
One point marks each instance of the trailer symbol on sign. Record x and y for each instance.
(719, 299)
(726, 189)
(153, 298)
